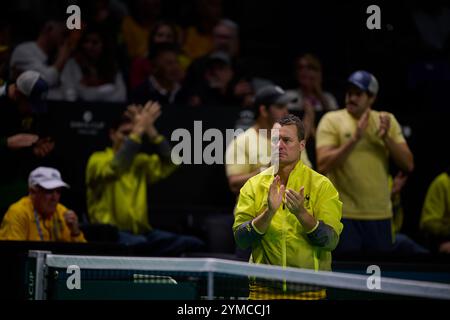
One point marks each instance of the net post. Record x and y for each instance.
(210, 288)
(36, 279)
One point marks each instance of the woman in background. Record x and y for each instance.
(92, 74)
(141, 68)
(311, 98)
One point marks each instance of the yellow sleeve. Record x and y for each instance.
(245, 207)
(327, 135)
(434, 208)
(155, 168)
(395, 130)
(14, 226)
(80, 238)
(135, 38)
(99, 168)
(328, 207)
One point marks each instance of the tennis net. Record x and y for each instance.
(51, 276)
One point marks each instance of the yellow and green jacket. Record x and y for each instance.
(117, 184)
(286, 243)
(435, 220)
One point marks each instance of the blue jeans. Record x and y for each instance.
(162, 243)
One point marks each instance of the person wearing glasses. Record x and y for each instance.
(39, 216)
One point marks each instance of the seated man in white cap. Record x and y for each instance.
(39, 216)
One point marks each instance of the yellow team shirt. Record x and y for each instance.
(362, 179)
(119, 197)
(19, 223)
(285, 242)
(251, 151)
(135, 37)
(435, 217)
(197, 44)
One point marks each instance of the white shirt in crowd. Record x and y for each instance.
(28, 56)
(72, 89)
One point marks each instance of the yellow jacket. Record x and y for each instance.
(118, 196)
(286, 243)
(19, 223)
(435, 218)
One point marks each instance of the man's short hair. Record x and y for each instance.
(290, 119)
(270, 95)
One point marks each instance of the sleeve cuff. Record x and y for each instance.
(257, 231)
(314, 229)
(158, 139)
(135, 138)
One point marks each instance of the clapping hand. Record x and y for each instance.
(276, 194)
(363, 122)
(385, 124)
(294, 200)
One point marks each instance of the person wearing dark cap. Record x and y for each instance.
(163, 85)
(215, 87)
(270, 105)
(21, 105)
(239, 88)
(354, 146)
(39, 216)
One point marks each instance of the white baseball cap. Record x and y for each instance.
(31, 84)
(47, 178)
(27, 81)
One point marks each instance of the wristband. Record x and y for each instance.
(135, 137)
(158, 139)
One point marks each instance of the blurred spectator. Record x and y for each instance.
(403, 244)
(215, 89)
(198, 39)
(107, 15)
(163, 85)
(310, 97)
(23, 133)
(432, 20)
(435, 220)
(117, 181)
(4, 57)
(92, 74)
(35, 55)
(137, 26)
(226, 43)
(270, 106)
(39, 216)
(163, 32)
(353, 149)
